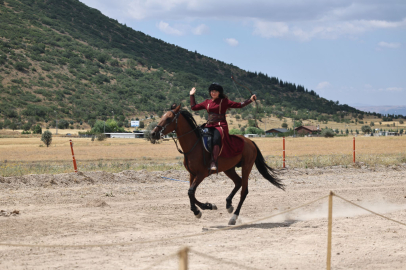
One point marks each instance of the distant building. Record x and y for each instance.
(275, 131)
(250, 135)
(306, 130)
(125, 135)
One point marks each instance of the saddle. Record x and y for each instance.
(207, 138)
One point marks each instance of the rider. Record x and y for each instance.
(224, 144)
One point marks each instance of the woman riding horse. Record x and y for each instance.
(224, 145)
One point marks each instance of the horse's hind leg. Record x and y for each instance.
(232, 174)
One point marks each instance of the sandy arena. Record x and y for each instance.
(99, 208)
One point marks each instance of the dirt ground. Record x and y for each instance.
(115, 214)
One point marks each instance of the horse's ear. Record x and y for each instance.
(177, 108)
(173, 106)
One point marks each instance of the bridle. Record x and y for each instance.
(175, 118)
(162, 128)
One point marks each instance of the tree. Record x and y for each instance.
(37, 129)
(327, 133)
(47, 138)
(284, 125)
(254, 130)
(236, 131)
(26, 126)
(147, 133)
(366, 129)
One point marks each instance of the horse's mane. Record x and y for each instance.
(191, 121)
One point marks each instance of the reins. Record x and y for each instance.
(162, 128)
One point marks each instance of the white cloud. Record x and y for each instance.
(307, 30)
(294, 19)
(167, 29)
(270, 29)
(323, 85)
(394, 45)
(200, 30)
(231, 41)
(391, 89)
(394, 89)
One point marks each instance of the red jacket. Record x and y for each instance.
(231, 145)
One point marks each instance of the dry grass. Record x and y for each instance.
(21, 156)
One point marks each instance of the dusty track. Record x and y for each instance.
(103, 208)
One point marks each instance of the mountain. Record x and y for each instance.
(385, 110)
(62, 59)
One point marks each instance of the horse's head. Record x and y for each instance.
(167, 123)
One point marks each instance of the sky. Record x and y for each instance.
(349, 51)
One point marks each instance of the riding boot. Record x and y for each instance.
(215, 153)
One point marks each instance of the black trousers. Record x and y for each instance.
(216, 136)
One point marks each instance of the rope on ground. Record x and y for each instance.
(221, 260)
(369, 210)
(165, 239)
(174, 179)
(161, 261)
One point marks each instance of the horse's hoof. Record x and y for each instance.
(213, 207)
(230, 209)
(199, 215)
(233, 220)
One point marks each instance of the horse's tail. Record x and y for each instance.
(266, 171)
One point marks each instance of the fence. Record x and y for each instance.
(183, 254)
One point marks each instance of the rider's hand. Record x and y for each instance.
(192, 92)
(253, 98)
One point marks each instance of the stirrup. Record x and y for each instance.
(213, 166)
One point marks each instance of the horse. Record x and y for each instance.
(196, 160)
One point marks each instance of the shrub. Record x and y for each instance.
(366, 129)
(254, 130)
(20, 66)
(47, 138)
(327, 133)
(101, 136)
(235, 131)
(37, 129)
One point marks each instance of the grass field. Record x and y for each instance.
(21, 156)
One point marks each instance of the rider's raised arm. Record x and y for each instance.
(232, 104)
(194, 106)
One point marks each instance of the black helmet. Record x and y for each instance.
(216, 86)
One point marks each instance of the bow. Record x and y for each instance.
(235, 82)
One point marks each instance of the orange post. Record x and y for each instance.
(283, 152)
(353, 149)
(73, 156)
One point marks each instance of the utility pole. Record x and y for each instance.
(56, 123)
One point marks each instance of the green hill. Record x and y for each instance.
(60, 57)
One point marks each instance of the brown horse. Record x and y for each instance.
(197, 159)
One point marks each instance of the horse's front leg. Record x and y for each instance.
(232, 174)
(194, 183)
